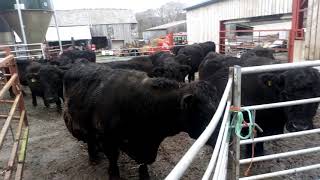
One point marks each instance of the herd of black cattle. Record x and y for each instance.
(134, 105)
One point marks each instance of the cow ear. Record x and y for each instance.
(271, 80)
(186, 101)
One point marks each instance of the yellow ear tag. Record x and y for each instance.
(269, 83)
(33, 80)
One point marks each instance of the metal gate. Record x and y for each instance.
(13, 145)
(236, 42)
(217, 168)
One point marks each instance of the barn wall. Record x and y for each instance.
(203, 23)
(312, 36)
(126, 32)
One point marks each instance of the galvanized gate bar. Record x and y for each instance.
(279, 155)
(279, 136)
(186, 160)
(281, 173)
(279, 67)
(219, 143)
(221, 164)
(281, 104)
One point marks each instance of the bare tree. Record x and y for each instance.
(169, 12)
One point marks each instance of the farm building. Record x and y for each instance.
(107, 28)
(206, 20)
(256, 22)
(162, 30)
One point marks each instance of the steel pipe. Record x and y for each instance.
(15, 45)
(281, 173)
(278, 67)
(21, 22)
(279, 136)
(280, 155)
(222, 160)
(187, 159)
(219, 141)
(282, 104)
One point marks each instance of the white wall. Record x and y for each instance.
(312, 36)
(203, 23)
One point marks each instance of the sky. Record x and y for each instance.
(136, 5)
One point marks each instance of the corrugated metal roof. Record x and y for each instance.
(168, 25)
(205, 3)
(83, 17)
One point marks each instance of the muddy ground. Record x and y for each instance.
(54, 154)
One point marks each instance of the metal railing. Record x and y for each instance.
(17, 112)
(237, 83)
(139, 51)
(24, 51)
(186, 160)
(217, 168)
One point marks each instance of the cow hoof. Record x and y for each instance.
(94, 161)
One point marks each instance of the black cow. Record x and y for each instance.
(137, 63)
(33, 80)
(207, 47)
(275, 87)
(258, 51)
(160, 64)
(213, 62)
(174, 50)
(127, 110)
(45, 80)
(196, 54)
(76, 54)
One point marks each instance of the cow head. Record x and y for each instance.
(51, 82)
(199, 103)
(32, 75)
(294, 85)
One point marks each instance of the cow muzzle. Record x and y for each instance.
(298, 126)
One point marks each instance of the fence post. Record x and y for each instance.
(43, 51)
(236, 105)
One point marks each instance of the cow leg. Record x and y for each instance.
(113, 156)
(92, 149)
(143, 172)
(58, 103)
(34, 99)
(45, 102)
(191, 77)
(12, 95)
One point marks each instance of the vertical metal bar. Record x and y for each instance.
(57, 26)
(237, 105)
(222, 38)
(294, 27)
(42, 50)
(21, 22)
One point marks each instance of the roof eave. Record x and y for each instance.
(200, 5)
